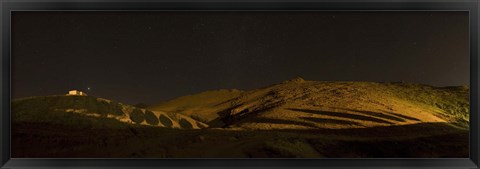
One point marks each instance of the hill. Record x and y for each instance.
(88, 111)
(300, 104)
(292, 119)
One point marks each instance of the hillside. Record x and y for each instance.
(88, 111)
(202, 106)
(300, 104)
(292, 119)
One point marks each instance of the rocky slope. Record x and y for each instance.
(300, 104)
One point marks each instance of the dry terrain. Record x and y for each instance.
(295, 118)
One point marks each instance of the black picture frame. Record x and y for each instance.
(7, 6)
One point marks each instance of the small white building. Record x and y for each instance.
(76, 93)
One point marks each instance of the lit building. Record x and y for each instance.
(76, 93)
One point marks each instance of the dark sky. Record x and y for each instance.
(149, 57)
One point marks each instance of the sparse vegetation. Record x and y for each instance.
(67, 118)
(151, 118)
(450, 102)
(185, 124)
(40, 108)
(137, 116)
(165, 121)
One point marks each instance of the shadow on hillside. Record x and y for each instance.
(403, 116)
(375, 114)
(343, 115)
(331, 121)
(165, 121)
(185, 124)
(226, 117)
(386, 115)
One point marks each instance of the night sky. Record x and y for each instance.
(149, 57)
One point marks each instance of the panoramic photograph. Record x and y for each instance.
(240, 84)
